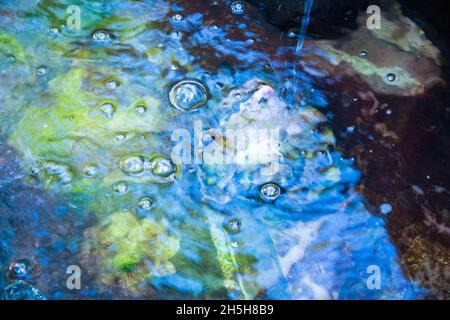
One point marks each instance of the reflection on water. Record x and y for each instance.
(87, 179)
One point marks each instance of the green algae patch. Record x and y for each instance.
(76, 145)
(130, 249)
(74, 130)
(233, 263)
(10, 47)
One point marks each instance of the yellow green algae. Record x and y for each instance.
(12, 48)
(58, 142)
(74, 123)
(141, 248)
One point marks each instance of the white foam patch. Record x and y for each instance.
(303, 234)
(319, 293)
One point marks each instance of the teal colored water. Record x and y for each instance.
(87, 119)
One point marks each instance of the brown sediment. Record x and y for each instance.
(403, 158)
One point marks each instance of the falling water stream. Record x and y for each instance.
(308, 5)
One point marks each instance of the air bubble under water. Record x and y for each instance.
(121, 188)
(121, 137)
(100, 35)
(176, 35)
(390, 77)
(111, 84)
(233, 226)
(21, 290)
(163, 167)
(270, 191)
(20, 269)
(90, 170)
(386, 208)
(41, 71)
(188, 95)
(178, 17)
(132, 164)
(107, 109)
(62, 172)
(292, 34)
(238, 7)
(140, 109)
(145, 203)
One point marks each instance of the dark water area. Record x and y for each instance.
(409, 176)
(365, 137)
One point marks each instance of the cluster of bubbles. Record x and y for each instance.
(61, 171)
(108, 108)
(157, 165)
(22, 290)
(188, 95)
